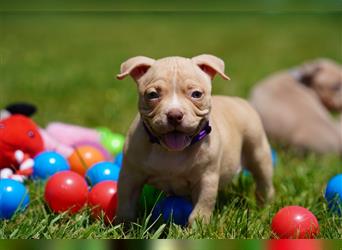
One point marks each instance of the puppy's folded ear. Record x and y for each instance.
(211, 65)
(136, 67)
(307, 71)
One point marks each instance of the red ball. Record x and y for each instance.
(103, 199)
(295, 222)
(65, 191)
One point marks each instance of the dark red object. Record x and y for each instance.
(65, 191)
(18, 132)
(295, 222)
(103, 199)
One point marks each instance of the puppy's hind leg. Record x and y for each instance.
(258, 160)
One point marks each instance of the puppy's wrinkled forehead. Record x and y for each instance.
(175, 70)
(201, 68)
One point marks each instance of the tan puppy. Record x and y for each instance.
(163, 146)
(294, 106)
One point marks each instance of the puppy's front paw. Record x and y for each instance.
(201, 216)
(264, 195)
(124, 218)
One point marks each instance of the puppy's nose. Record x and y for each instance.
(175, 116)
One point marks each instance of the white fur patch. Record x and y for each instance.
(174, 103)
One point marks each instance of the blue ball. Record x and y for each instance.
(245, 172)
(48, 163)
(14, 197)
(173, 208)
(102, 171)
(274, 157)
(118, 159)
(333, 194)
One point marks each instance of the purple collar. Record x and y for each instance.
(203, 133)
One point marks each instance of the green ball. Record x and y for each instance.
(113, 142)
(149, 197)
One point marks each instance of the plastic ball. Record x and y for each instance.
(103, 199)
(295, 222)
(274, 156)
(66, 191)
(48, 163)
(118, 159)
(83, 158)
(103, 171)
(96, 145)
(113, 142)
(14, 197)
(149, 197)
(333, 194)
(173, 208)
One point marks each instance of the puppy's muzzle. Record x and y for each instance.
(175, 117)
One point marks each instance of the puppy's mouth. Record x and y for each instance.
(175, 140)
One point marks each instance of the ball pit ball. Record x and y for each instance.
(149, 197)
(333, 194)
(173, 208)
(295, 222)
(274, 156)
(118, 159)
(96, 145)
(48, 163)
(102, 171)
(66, 191)
(14, 197)
(113, 142)
(103, 199)
(83, 158)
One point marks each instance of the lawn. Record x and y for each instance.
(65, 63)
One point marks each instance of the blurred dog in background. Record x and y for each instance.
(295, 106)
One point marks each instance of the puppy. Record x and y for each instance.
(185, 142)
(294, 106)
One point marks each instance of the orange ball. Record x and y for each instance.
(83, 158)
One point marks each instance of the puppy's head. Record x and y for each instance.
(174, 95)
(325, 77)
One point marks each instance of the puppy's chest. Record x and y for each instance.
(172, 174)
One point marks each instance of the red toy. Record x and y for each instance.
(295, 222)
(65, 191)
(103, 198)
(20, 141)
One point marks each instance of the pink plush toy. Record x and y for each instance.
(63, 138)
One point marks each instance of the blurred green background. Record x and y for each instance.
(66, 62)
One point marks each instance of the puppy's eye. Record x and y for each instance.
(196, 94)
(30, 134)
(152, 95)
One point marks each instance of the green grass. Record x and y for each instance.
(66, 63)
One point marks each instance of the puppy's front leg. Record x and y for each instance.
(129, 188)
(204, 194)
